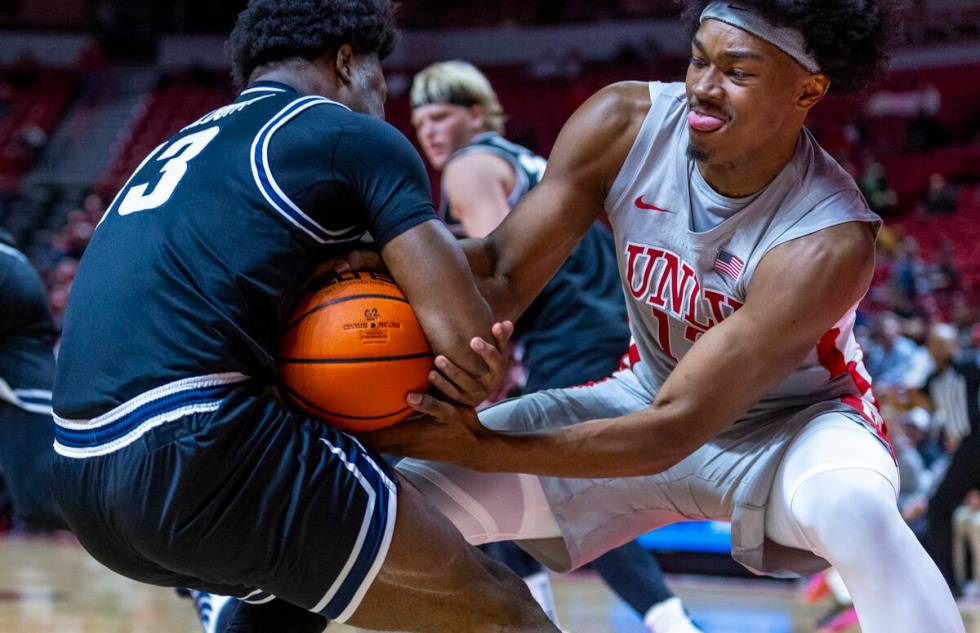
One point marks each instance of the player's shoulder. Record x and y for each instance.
(477, 167)
(621, 104)
(838, 249)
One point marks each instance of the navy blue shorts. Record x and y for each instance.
(238, 497)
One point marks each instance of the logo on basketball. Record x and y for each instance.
(353, 350)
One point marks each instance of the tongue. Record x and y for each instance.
(703, 122)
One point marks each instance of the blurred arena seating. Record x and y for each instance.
(32, 102)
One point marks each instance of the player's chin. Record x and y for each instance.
(437, 159)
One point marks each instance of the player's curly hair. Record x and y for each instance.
(850, 39)
(270, 31)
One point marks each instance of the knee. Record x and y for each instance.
(857, 505)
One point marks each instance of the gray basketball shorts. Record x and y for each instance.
(726, 479)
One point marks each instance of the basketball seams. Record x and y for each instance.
(333, 302)
(306, 403)
(360, 359)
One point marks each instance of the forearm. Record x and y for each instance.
(642, 443)
(494, 284)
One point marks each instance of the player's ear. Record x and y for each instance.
(477, 117)
(344, 63)
(815, 86)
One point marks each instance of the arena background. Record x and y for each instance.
(89, 87)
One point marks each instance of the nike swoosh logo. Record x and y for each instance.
(649, 207)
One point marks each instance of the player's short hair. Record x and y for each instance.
(269, 31)
(458, 83)
(850, 39)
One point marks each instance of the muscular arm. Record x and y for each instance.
(478, 185)
(788, 309)
(431, 270)
(516, 260)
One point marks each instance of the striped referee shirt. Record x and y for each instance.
(955, 394)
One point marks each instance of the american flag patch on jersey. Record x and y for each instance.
(728, 265)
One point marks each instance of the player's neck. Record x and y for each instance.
(301, 79)
(750, 173)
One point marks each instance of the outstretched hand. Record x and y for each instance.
(459, 385)
(441, 431)
(449, 430)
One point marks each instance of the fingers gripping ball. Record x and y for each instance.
(353, 350)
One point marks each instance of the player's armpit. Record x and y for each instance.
(517, 259)
(477, 186)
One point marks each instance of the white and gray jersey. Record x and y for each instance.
(682, 276)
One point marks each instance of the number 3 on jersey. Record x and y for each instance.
(177, 156)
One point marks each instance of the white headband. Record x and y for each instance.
(788, 40)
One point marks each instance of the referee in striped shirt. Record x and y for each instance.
(953, 389)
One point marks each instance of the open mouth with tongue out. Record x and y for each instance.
(704, 122)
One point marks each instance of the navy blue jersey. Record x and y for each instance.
(27, 334)
(575, 330)
(195, 266)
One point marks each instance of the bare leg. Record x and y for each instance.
(433, 581)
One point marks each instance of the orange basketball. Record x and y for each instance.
(353, 350)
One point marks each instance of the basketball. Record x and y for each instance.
(352, 350)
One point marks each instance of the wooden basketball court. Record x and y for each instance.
(53, 586)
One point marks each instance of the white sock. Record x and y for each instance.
(669, 617)
(540, 586)
(836, 585)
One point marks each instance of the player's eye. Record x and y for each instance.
(697, 62)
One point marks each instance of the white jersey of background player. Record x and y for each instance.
(743, 250)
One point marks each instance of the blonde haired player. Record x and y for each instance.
(574, 332)
(743, 250)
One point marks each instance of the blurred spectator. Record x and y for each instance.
(874, 185)
(940, 196)
(924, 132)
(94, 207)
(945, 276)
(544, 66)
(31, 139)
(6, 99)
(910, 273)
(894, 360)
(909, 439)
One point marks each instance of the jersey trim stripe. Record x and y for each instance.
(269, 188)
(13, 252)
(30, 400)
(126, 423)
(34, 400)
(344, 596)
(261, 89)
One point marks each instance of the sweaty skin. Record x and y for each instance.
(763, 97)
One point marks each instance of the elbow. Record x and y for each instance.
(672, 440)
